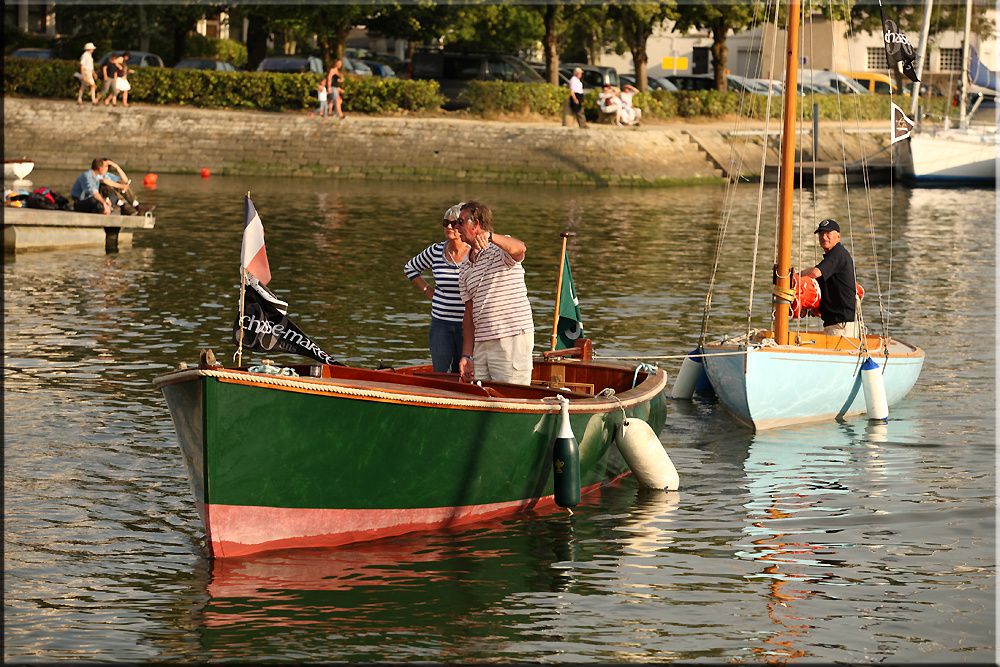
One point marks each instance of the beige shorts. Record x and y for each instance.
(848, 329)
(505, 359)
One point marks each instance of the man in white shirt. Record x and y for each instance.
(576, 97)
(498, 332)
(87, 74)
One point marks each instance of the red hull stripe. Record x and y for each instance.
(239, 530)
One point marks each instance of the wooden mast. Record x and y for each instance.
(782, 306)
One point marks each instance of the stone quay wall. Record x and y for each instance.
(62, 135)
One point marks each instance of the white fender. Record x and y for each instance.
(876, 404)
(645, 455)
(687, 378)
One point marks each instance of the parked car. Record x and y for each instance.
(36, 54)
(355, 67)
(395, 63)
(875, 82)
(454, 71)
(291, 64)
(835, 80)
(777, 87)
(812, 88)
(380, 69)
(135, 58)
(594, 76)
(653, 82)
(205, 63)
(734, 83)
(540, 69)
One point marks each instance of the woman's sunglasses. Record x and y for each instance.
(452, 223)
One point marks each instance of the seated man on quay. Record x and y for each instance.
(117, 188)
(86, 194)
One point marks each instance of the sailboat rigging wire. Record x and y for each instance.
(843, 158)
(802, 149)
(884, 309)
(760, 202)
(736, 172)
(866, 174)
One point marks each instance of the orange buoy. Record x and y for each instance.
(149, 181)
(807, 296)
(860, 290)
(205, 172)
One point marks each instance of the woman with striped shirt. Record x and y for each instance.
(447, 307)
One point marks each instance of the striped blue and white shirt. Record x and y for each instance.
(446, 305)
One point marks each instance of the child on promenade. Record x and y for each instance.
(321, 94)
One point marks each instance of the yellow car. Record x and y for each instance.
(874, 82)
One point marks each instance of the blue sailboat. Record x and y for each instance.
(775, 378)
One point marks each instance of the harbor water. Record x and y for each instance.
(838, 542)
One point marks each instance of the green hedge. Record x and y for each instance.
(208, 89)
(494, 97)
(280, 92)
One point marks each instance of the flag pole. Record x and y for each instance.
(562, 267)
(243, 287)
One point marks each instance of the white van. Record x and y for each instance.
(835, 80)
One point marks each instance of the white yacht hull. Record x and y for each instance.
(958, 156)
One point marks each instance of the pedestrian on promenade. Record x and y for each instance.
(106, 75)
(333, 89)
(86, 190)
(447, 309)
(87, 74)
(116, 69)
(837, 283)
(576, 97)
(321, 95)
(498, 332)
(122, 84)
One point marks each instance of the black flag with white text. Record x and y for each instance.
(898, 50)
(266, 327)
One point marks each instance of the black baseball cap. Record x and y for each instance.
(828, 225)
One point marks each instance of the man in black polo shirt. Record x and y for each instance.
(837, 283)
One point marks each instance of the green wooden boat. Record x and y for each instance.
(342, 454)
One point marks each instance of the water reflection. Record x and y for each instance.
(807, 489)
(436, 591)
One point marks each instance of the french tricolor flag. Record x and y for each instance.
(254, 253)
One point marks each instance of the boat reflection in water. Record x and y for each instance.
(807, 491)
(441, 583)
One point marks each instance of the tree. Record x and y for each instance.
(552, 15)
(498, 28)
(420, 23)
(637, 23)
(719, 19)
(589, 31)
